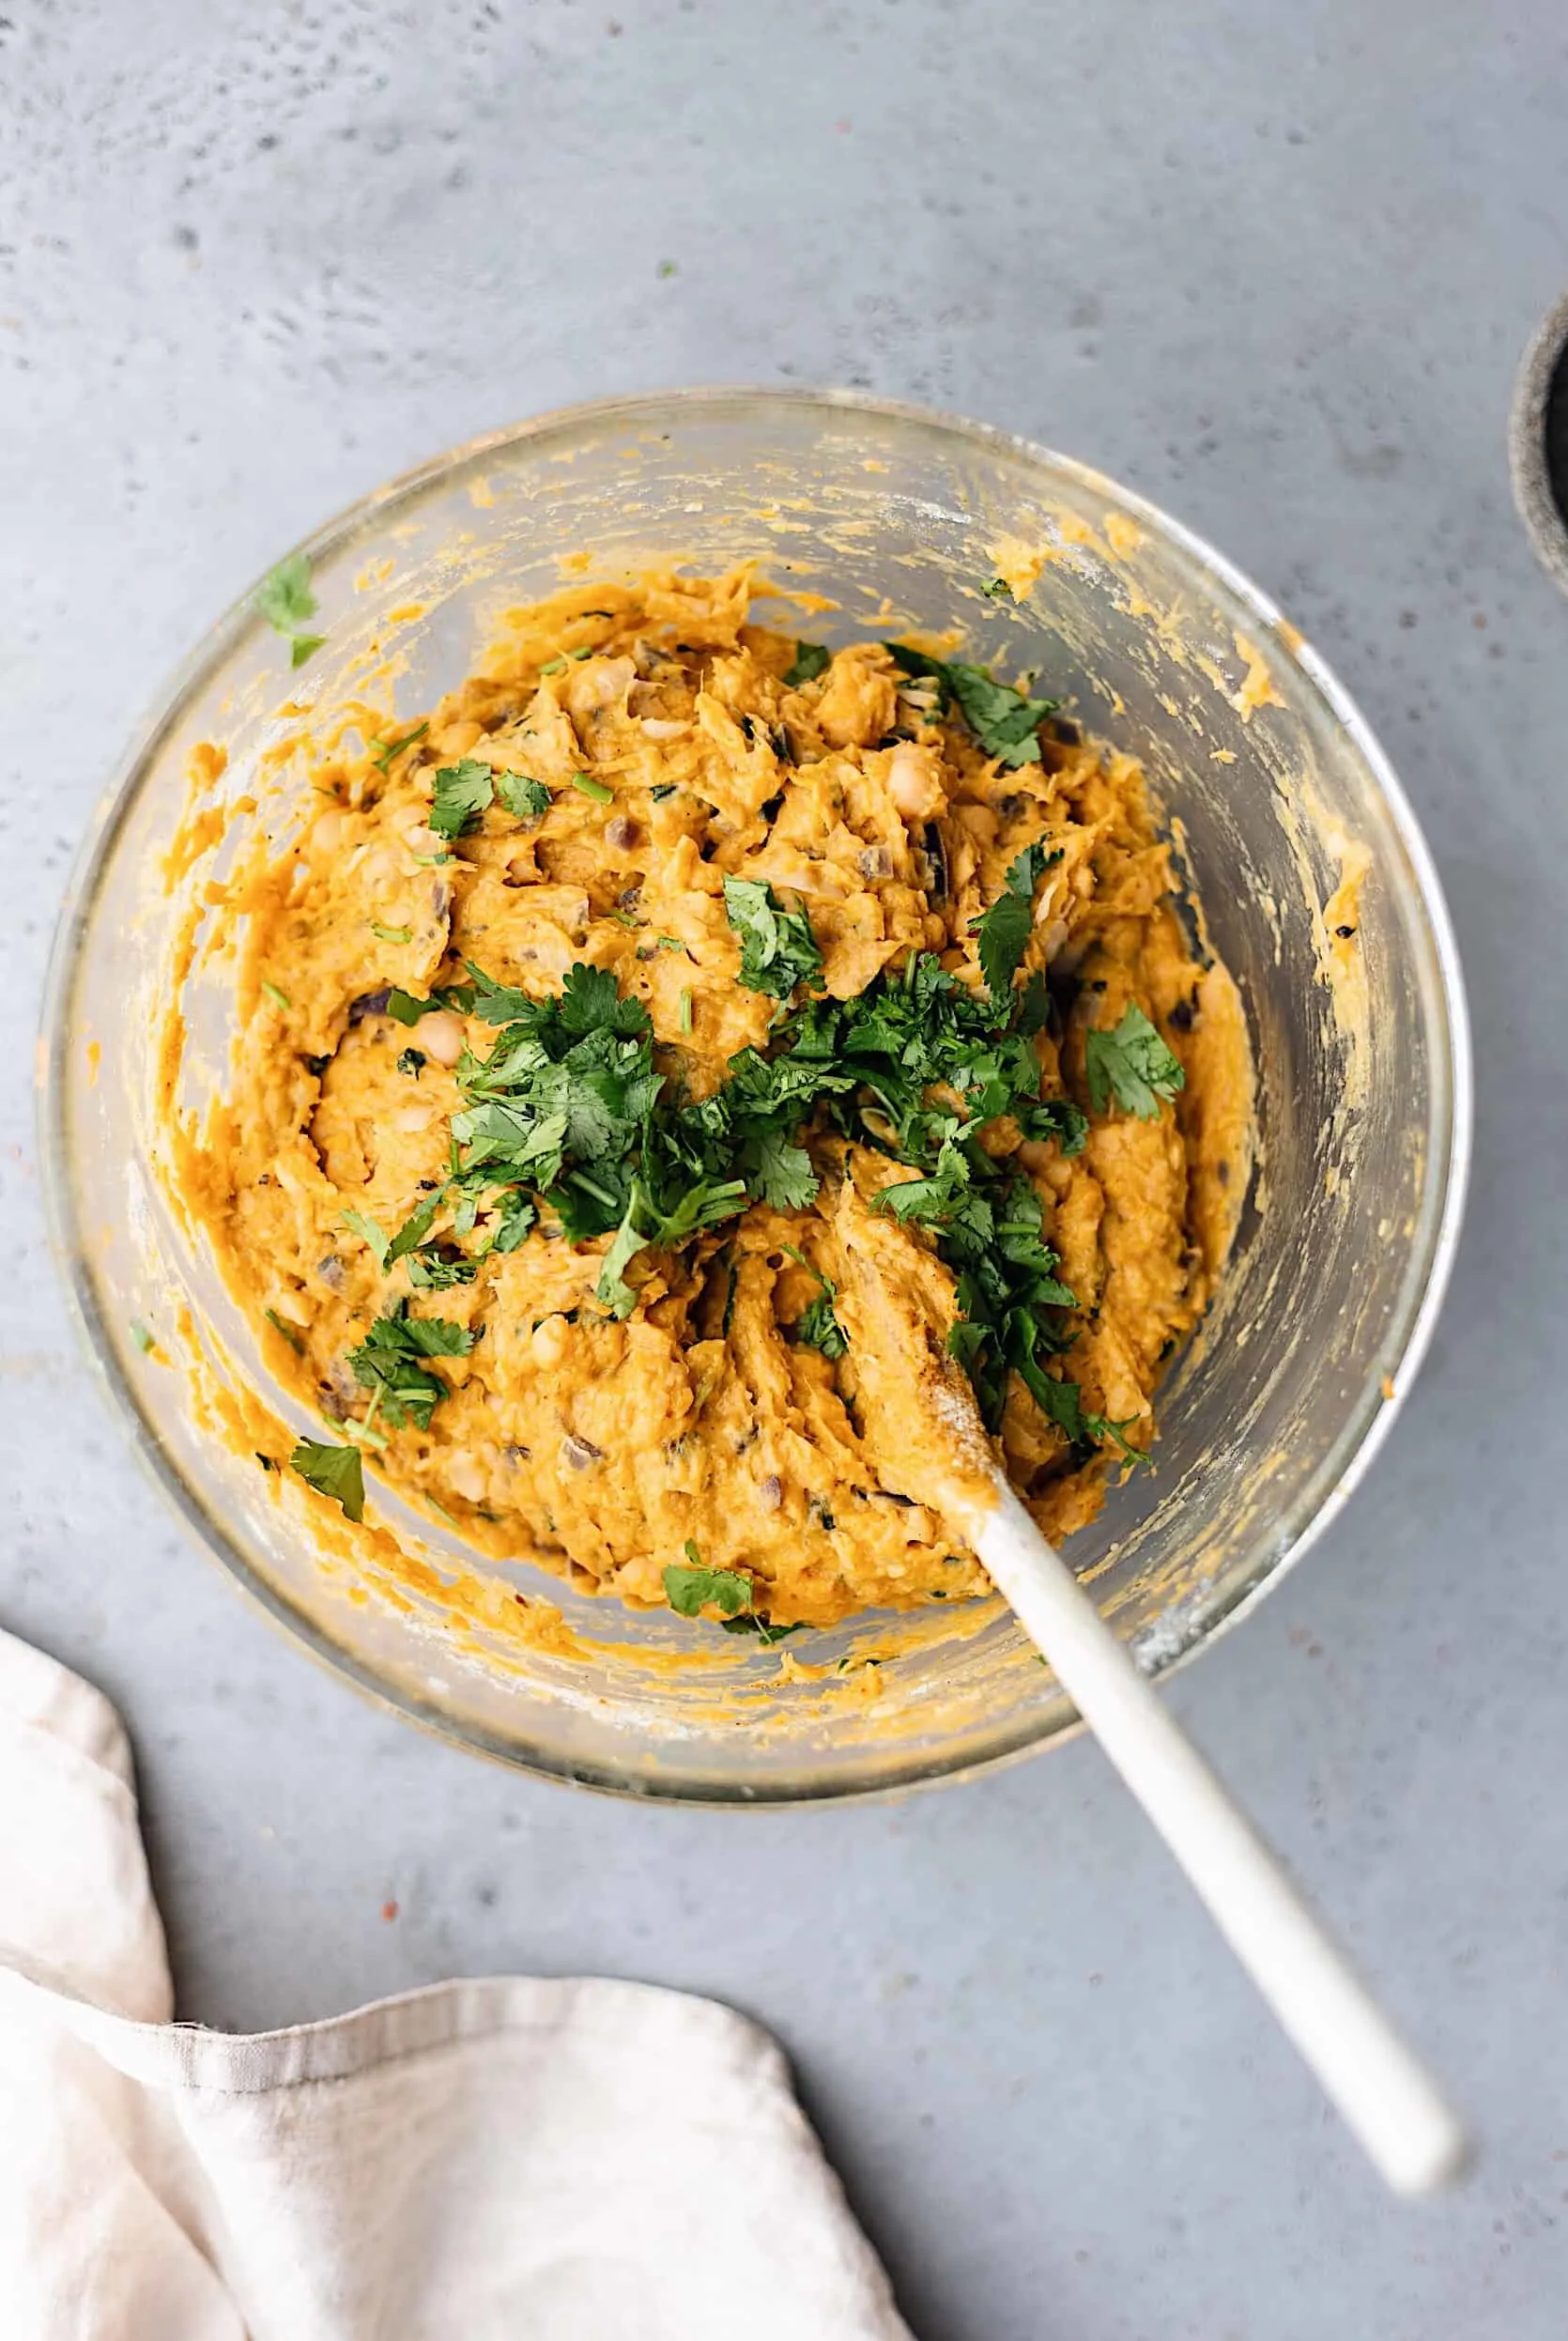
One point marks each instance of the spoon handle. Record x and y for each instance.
(1385, 2096)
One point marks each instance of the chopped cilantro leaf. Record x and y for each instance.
(336, 1471)
(998, 591)
(387, 1363)
(1058, 1118)
(779, 1172)
(591, 1002)
(1062, 1403)
(529, 1144)
(304, 646)
(1003, 936)
(527, 798)
(513, 1221)
(645, 1227)
(1026, 872)
(777, 948)
(500, 1003)
(279, 1325)
(405, 1008)
(421, 1336)
(434, 1269)
(763, 1627)
(689, 1589)
(366, 1229)
(462, 793)
(933, 1198)
(1003, 933)
(613, 1291)
(1135, 1062)
(818, 1326)
(1006, 723)
(283, 597)
(415, 1228)
(810, 660)
(1032, 1012)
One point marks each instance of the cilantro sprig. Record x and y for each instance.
(284, 599)
(1134, 1063)
(757, 1622)
(817, 1327)
(529, 800)
(462, 791)
(1003, 935)
(388, 1363)
(1004, 720)
(565, 1110)
(690, 1587)
(648, 1224)
(778, 951)
(369, 1232)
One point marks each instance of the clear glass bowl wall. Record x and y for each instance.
(1362, 1106)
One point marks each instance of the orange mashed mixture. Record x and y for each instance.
(601, 1447)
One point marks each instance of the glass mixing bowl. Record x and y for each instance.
(1275, 791)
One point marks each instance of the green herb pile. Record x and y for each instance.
(566, 1112)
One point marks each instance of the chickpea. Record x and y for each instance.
(455, 739)
(464, 1474)
(913, 783)
(442, 1036)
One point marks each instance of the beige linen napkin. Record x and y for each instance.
(583, 2161)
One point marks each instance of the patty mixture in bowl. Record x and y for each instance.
(591, 1009)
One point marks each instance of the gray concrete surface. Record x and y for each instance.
(1274, 264)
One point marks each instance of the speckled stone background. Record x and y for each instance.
(1274, 264)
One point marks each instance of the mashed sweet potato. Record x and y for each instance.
(558, 1252)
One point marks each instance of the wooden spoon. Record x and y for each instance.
(922, 1408)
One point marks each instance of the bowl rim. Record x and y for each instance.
(1370, 1421)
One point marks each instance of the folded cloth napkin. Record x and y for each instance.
(536, 2160)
